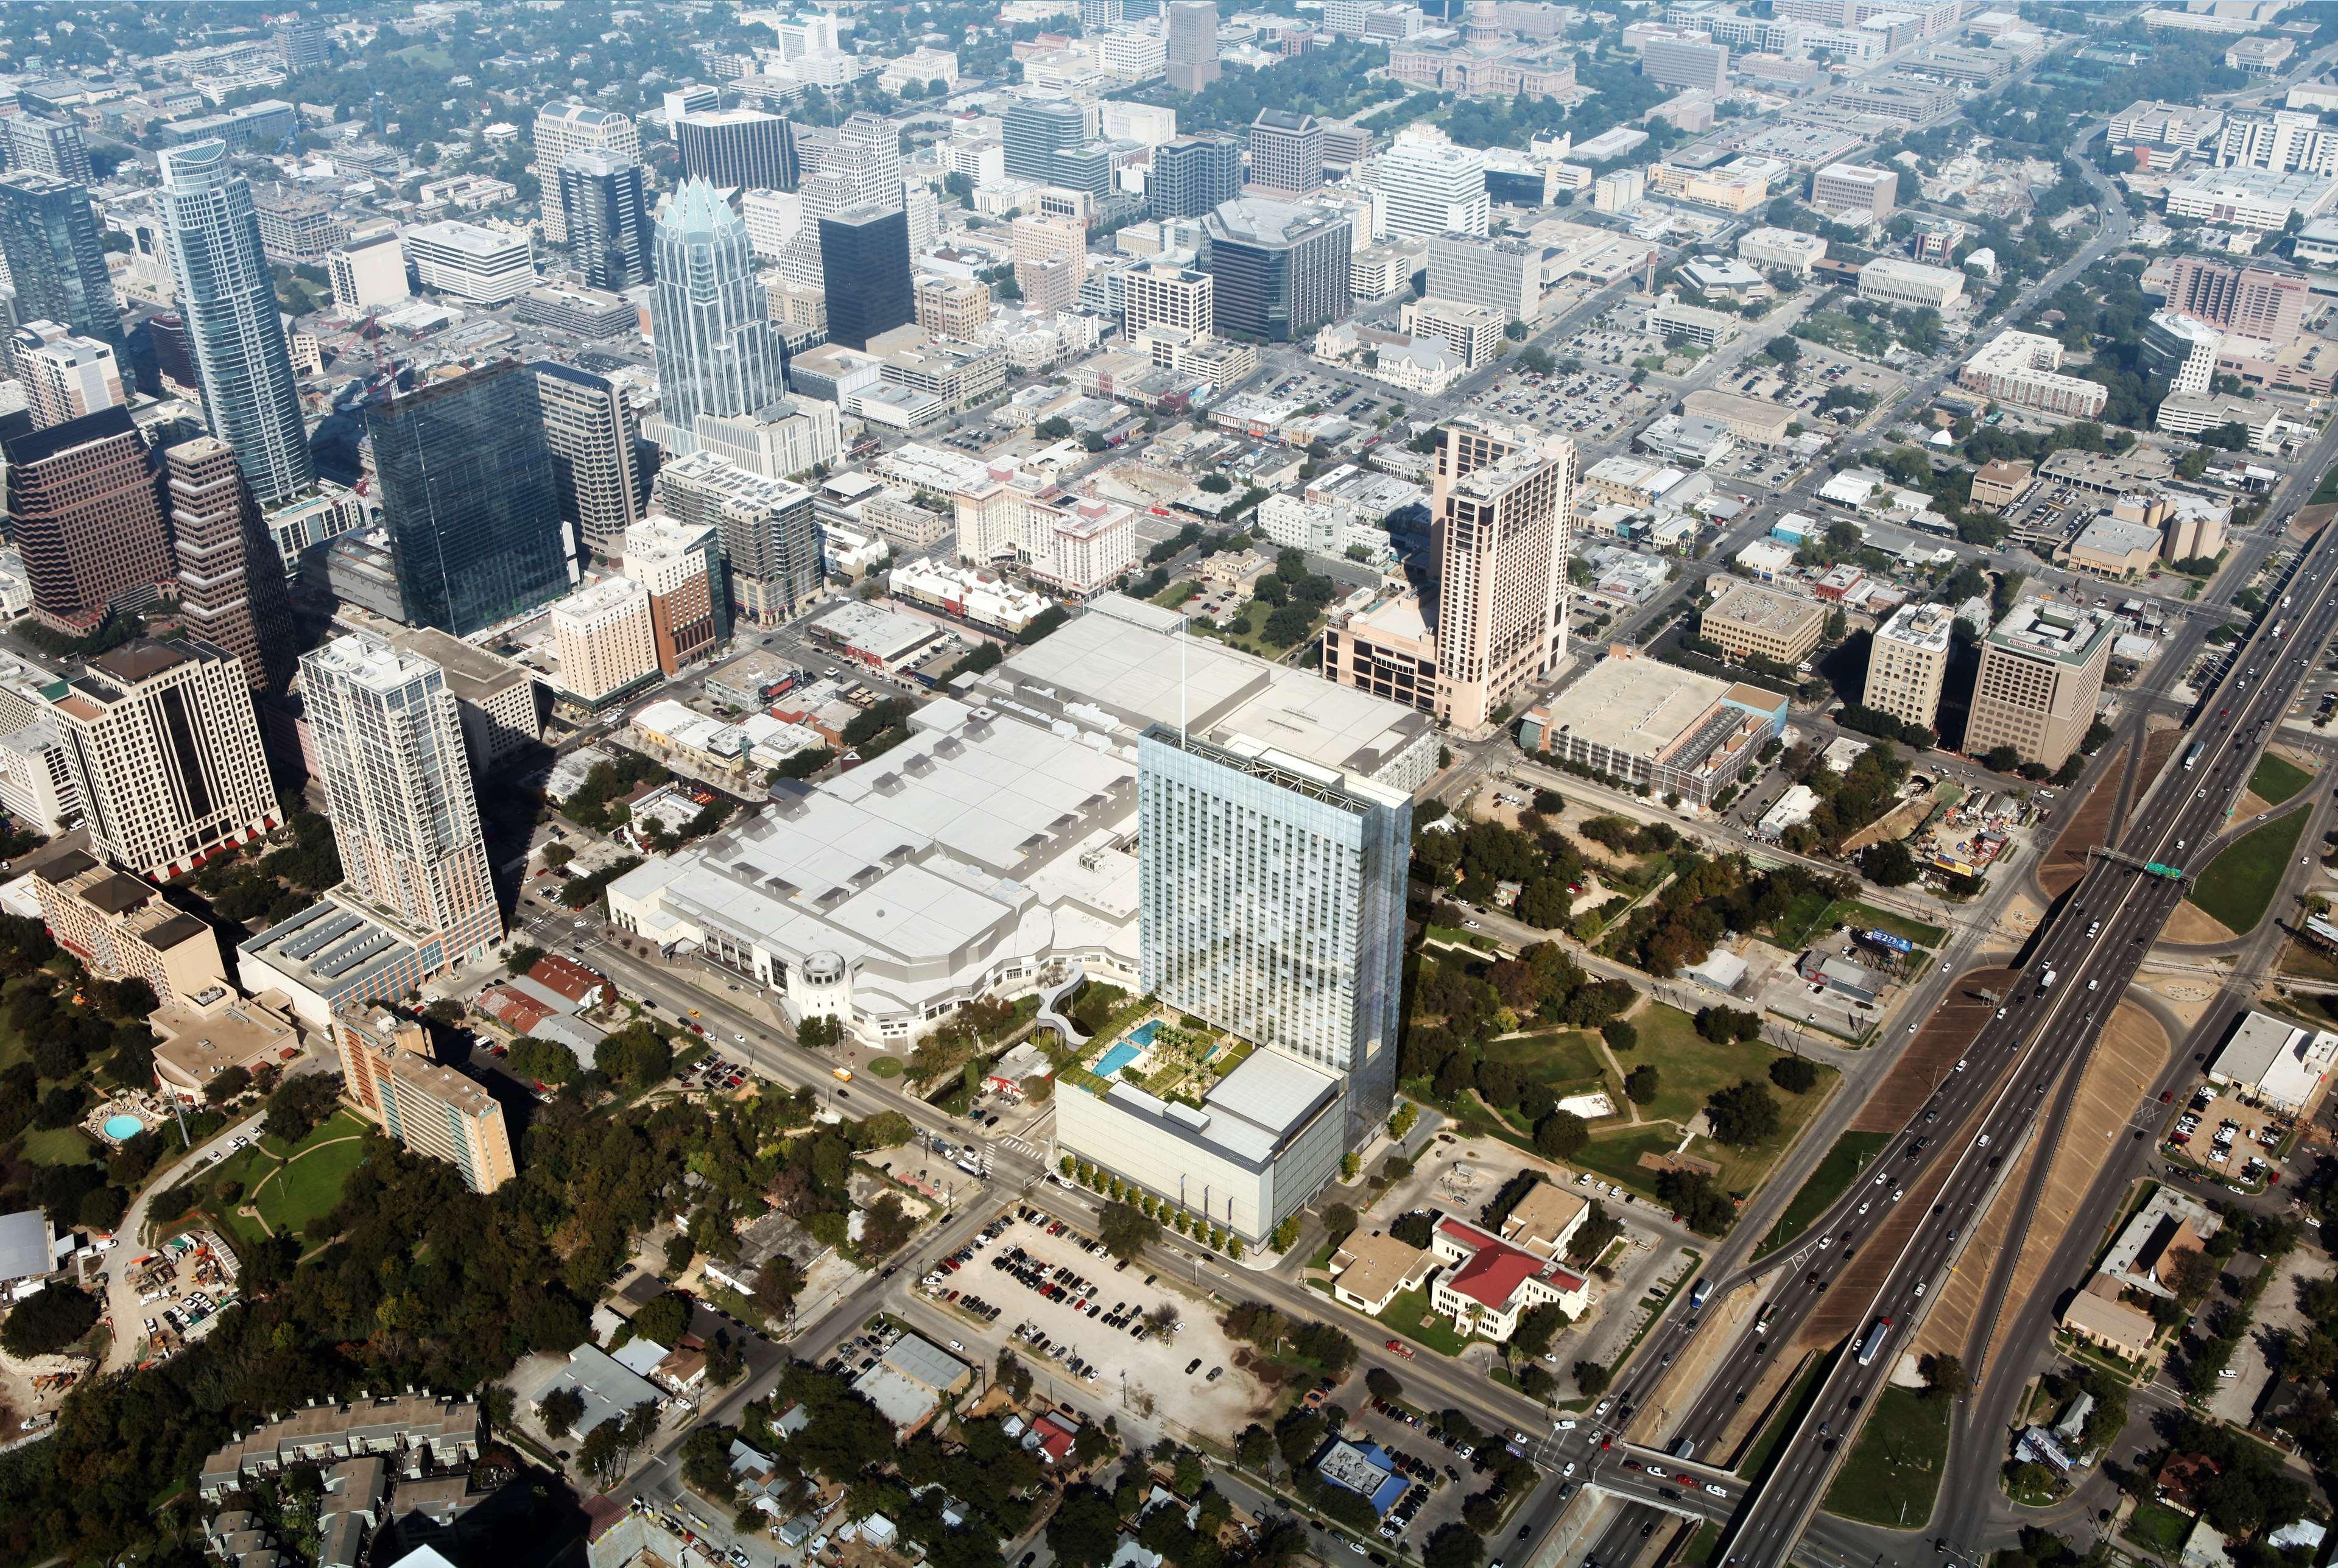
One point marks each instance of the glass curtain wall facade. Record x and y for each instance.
(1272, 904)
(469, 499)
(717, 352)
(608, 213)
(864, 259)
(228, 300)
(56, 258)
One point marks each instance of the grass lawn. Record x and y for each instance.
(1706, 1543)
(885, 1066)
(1689, 1067)
(2277, 779)
(311, 1184)
(1793, 929)
(1564, 1061)
(1843, 1163)
(1176, 594)
(2308, 962)
(1454, 937)
(2239, 884)
(1617, 1155)
(2156, 1527)
(1408, 1314)
(1743, 1169)
(1917, 931)
(1893, 1474)
(56, 1146)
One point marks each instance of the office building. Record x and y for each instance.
(1891, 281)
(2181, 352)
(1430, 186)
(1855, 190)
(432, 1111)
(679, 566)
(43, 146)
(770, 538)
(2252, 199)
(1781, 250)
(1471, 333)
(469, 499)
(497, 699)
(1190, 28)
(1034, 129)
(296, 226)
(957, 307)
(1193, 175)
(366, 274)
(232, 583)
(1286, 152)
(470, 263)
(2041, 675)
(228, 301)
(303, 44)
(866, 155)
(65, 377)
(772, 218)
(2254, 301)
(589, 313)
(1686, 60)
(1278, 272)
(263, 124)
(1272, 906)
(86, 515)
(388, 742)
(716, 350)
(123, 928)
(1503, 275)
(607, 208)
(1168, 296)
(1502, 501)
(1051, 260)
(572, 127)
(783, 438)
(590, 429)
(56, 256)
(37, 779)
(1619, 191)
(607, 642)
(738, 149)
(864, 257)
(2023, 368)
(165, 753)
(2278, 140)
(1657, 727)
(696, 98)
(1905, 662)
(2181, 127)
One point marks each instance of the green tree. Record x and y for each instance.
(636, 1056)
(300, 1105)
(560, 1410)
(1084, 1531)
(665, 1321)
(1794, 1074)
(1945, 1377)
(1126, 1231)
(1741, 1114)
(1640, 1085)
(523, 957)
(1561, 1135)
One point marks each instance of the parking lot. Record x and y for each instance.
(181, 1287)
(1084, 1321)
(1442, 1475)
(1591, 406)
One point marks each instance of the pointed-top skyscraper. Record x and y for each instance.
(717, 352)
(228, 301)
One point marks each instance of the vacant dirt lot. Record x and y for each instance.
(2189, 923)
(2130, 1054)
(2088, 827)
(1943, 1038)
(2158, 746)
(2309, 519)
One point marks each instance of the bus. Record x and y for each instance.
(1698, 1292)
(841, 1074)
(1871, 1345)
(2191, 758)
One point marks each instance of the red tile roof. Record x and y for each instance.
(567, 976)
(514, 1010)
(1496, 1269)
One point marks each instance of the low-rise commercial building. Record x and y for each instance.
(198, 1038)
(2099, 1318)
(1782, 250)
(1755, 419)
(2109, 548)
(1368, 1273)
(1488, 1285)
(1890, 280)
(1750, 619)
(2023, 368)
(1648, 723)
(2275, 1062)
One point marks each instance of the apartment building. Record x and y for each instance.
(1907, 662)
(64, 375)
(1748, 620)
(1076, 546)
(679, 566)
(592, 432)
(2023, 368)
(2279, 140)
(497, 699)
(432, 1111)
(2254, 301)
(956, 308)
(2041, 678)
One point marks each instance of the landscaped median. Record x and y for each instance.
(2239, 884)
(1892, 1475)
(1852, 1153)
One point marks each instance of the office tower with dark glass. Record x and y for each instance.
(608, 212)
(469, 499)
(1193, 175)
(85, 512)
(717, 352)
(388, 740)
(231, 588)
(228, 303)
(46, 147)
(1034, 129)
(591, 431)
(570, 127)
(56, 256)
(1270, 903)
(864, 257)
(738, 149)
(1278, 271)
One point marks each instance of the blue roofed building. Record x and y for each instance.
(1365, 1469)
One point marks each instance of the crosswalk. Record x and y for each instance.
(1020, 1147)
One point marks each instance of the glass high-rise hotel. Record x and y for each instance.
(1272, 904)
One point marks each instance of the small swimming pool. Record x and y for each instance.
(1114, 1060)
(1142, 1035)
(122, 1128)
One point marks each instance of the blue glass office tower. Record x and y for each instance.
(1270, 902)
(228, 301)
(717, 352)
(469, 499)
(56, 256)
(864, 266)
(608, 212)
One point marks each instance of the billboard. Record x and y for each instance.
(1885, 939)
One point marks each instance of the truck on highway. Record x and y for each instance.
(1872, 1345)
(2191, 757)
(2046, 981)
(1697, 1293)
